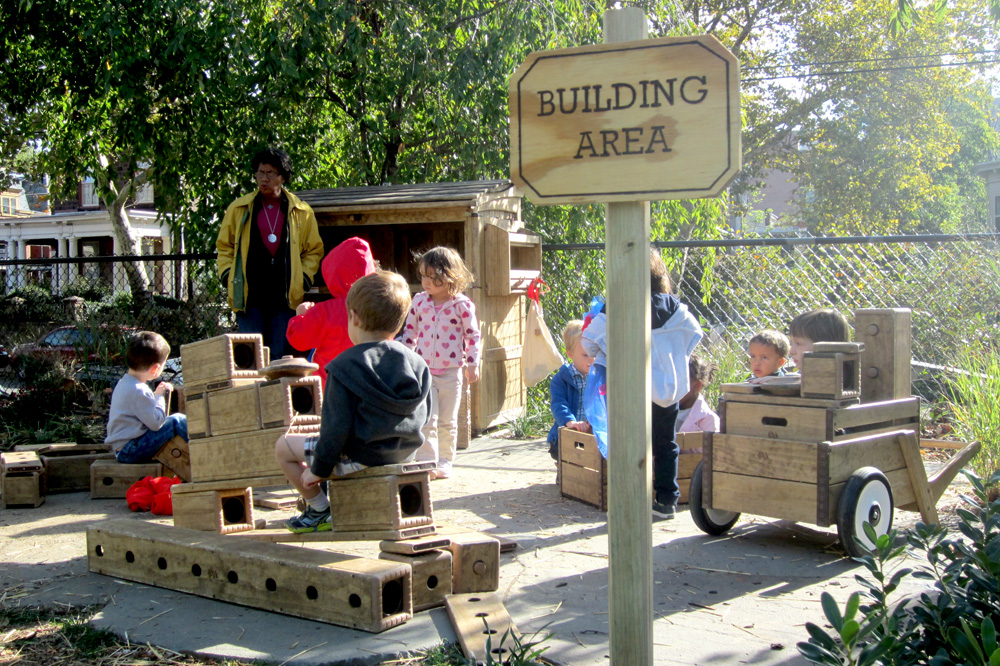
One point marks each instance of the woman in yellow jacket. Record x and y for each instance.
(269, 249)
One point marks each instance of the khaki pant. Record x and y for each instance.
(441, 431)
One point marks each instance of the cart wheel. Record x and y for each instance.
(867, 498)
(709, 521)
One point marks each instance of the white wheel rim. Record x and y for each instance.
(874, 506)
(718, 516)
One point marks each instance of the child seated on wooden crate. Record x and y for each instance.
(567, 385)
(138, 424)
(377, 399)
(768, 351)
(822, 325)
(694, 414)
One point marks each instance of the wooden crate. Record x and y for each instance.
(290, 401)
(20, 479)
(359, 593)
(832, 371)
(222, 358)
(885, 361)
(67, 466)
(824, 422)
(475, 562)
(799, 481)
(238, 456)
(220, 511)
(384, 502)
(431, 576)
(110, 479)
(583, 471)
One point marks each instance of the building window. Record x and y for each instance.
(8, 205)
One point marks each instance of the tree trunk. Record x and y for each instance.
(128, 240)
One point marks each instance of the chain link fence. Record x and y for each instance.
(738, 287)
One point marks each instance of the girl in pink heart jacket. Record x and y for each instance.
(442, 328)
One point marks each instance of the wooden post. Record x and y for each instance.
(630, 545)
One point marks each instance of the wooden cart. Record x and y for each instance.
(826, 462)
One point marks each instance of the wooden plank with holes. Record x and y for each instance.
(221, 511)
(885, 361)
(415, 546)
(355, 592)
(276, 499)
(276, 532)
(478, 617)
(431, 576)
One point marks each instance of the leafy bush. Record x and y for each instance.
(975, 406)
(89, 289)
(952, 623)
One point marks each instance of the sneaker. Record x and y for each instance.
(310, 520)
(665, 511)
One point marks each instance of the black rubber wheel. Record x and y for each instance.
(709, 521)
(866, 498)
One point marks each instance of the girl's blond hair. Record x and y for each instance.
(448, 267)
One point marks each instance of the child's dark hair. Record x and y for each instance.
(145, 349)
(823, 325)
(448, 268)
(277, 158)
(775, 339)
(701, 369)
(659, 276)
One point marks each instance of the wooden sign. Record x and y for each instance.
(629, 121)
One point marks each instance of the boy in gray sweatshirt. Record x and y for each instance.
(377, 399)
(138, 424)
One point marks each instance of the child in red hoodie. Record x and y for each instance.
(323, 326)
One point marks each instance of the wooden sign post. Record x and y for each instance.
(623, 123)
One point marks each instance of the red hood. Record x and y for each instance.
(344, 264)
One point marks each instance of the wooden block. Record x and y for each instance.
(372, 503)
(579, 448)
(67, 468)
(832, 376)
(838, 347)
(355, 592)
(583, 471)
(431, 576)
(234, 410)
(476, 563)
(225, 357)
(222, 384)
(110, 479)
(478, 617)
(197, 416)
(220, 511)
(392, 470)
(414, 546)
(275, 531)
(175, 455)
(290, 401)
(280, 500)
(239, 455)
(19, 488)
(885, 361)
(740, 388)
(20, 462)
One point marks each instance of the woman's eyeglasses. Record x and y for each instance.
(266, 175)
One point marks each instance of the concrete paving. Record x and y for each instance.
(740, 598)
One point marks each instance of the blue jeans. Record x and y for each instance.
(143, 448)
(272, 324)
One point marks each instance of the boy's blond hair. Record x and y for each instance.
(381, 300)
(145, 349)
(571, 333)
(776, 339)
(823, 325)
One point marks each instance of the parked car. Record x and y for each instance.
(72, 344)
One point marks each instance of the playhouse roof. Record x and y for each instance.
(423, 195)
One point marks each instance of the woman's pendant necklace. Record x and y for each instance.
(271, 238)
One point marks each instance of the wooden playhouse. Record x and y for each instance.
(480, 219)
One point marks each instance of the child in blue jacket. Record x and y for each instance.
(566, 387)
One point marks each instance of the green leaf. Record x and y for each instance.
(831, 611)
(849, 632)
(853, 602)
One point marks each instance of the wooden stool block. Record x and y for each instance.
(110, 479)
(290, 401)
(222, 358)
(221, 511)
(233, 410)
(67, 466)
(372, 503)
(476, 563)
(832, 371)
(20, 479)
(355, 592)
(885, 361)
(431, 576)
(583, 471)
(175, 455)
